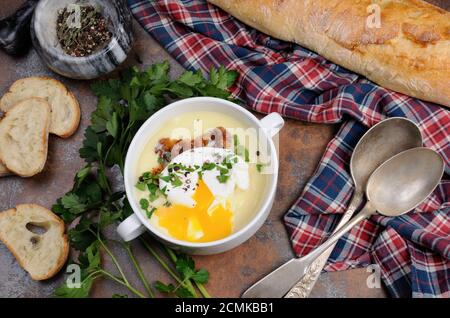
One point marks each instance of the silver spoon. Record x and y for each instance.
(395, 187)
(381, 142)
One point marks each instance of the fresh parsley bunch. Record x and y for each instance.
(123, 105)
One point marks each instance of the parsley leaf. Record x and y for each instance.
(185, 265)
(179, 291)
(89, 263)
(81, 236)
(170, 288)
(201, 276)
(183, 292)
(64, 291)
(112, 125)
(73, 203)
(109, 88)
(222, 78)
(191, 79)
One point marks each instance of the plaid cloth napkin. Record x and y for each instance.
(413, 251)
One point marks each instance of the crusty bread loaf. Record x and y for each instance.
(24, 137)
(64, 106)
(410, 53)
(41, 254)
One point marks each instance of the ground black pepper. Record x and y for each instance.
(82, 41)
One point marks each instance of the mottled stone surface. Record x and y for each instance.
(301, 146)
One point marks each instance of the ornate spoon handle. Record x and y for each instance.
(304, 286)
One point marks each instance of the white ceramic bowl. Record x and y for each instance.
(137, 224)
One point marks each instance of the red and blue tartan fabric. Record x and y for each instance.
(413, 251)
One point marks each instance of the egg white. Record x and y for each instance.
(182, 195)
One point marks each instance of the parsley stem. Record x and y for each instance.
(203, 290)
(92, 275)
(113, 258)
(183, 283)
(127, 285)
(138, 270)
(161, 261)
(187, 283)
(171, 254)
(200, 286)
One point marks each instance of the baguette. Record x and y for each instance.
(65, 110)
(41, 254)
(24, 137)
(409, 53)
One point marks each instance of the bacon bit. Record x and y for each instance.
(218, 137)
(157, 170)
(164, 148)
(167, 144)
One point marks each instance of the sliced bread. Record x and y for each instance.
(24, 137)
(35, 236)
(4, 171)
(64, 106)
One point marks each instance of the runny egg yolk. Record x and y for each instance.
(201, 223)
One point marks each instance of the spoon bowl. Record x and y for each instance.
(404, 181)
(380, 143)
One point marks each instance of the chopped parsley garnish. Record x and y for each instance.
(144, 204)
(260, 166)
(240, 150)
(208, 166)
(141, 186)
(176, 182)
(165, 178)
(150, 213)
(223, 178)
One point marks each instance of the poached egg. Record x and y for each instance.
(199, 186)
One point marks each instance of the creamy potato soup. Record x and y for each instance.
(201, 177)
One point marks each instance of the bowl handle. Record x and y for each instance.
(130, 228)
(272, 123)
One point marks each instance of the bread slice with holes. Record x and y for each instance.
(64, 106)
(24, 137)
(35, 236)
